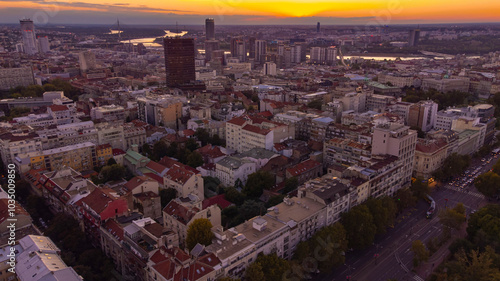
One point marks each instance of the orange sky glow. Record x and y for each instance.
(425, 10)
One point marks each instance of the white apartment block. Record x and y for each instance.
(108, 113)
(40, 259)
(245, 133)
(230, 169)
(279, 231)
(14, 144)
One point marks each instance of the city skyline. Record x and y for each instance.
(253, 12)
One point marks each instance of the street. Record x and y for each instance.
(390, 256)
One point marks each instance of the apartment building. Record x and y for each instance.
(108, 113)
(336, 196)
(40, 259)
(68, 134)
(423, 115)
(112, 134)
(344, 152)
(230, 169)
(245, 133)
(79, 157)
(162, 110)
(279, 231)
(181, 212)
(17, 143)
(185, 179)
(397, 140)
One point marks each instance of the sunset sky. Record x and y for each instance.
(252, 11)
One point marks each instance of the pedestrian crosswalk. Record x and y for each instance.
(417, 278)
(465, 191)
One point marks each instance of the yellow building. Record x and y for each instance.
(79, 157)
(103, 152)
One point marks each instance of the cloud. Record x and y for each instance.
(118, 7)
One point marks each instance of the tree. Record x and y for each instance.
(488, 183)
(111, 162)
(273, 266)
(316, 104)
(192, 145)
(496, 167)
(257, 182)
(420, 189)
(452, 218)
(234, 196)
(453, 165)
(250, 209)
(291, 184)
(359, 226)
(383, 211)
(420, 253)
(484, 226)
(329, 245)
(228, 279)
(166, 195)
(194, 159)
(199, 231)
(146, 150)
(254, 272)
(275, 200)
(159, 150)
(112, 173)
(302, 251)
(202, 135)
(475, 265)
(404, 198)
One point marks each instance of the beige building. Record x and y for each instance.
(397, 140)
(429, 156)
(14, 144)
(179, 214)
(111, 133)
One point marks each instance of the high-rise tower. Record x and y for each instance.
(29, 36)
(210, 29)
(179, 61)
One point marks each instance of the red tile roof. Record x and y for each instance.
(117, 151)
(155, 177)
(114, 229)
(103, 146)
(99, 199)
(210, 151)
(4, 210)
(179, 174)
(219, 200)
(193, 273)
(57, 107)
(179, 212)
(136, 181)
(157, 167)
(303, 167)
(165, 268)
(188, 133)
(237, 121)
(255, 129)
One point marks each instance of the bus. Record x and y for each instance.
(432, 208)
